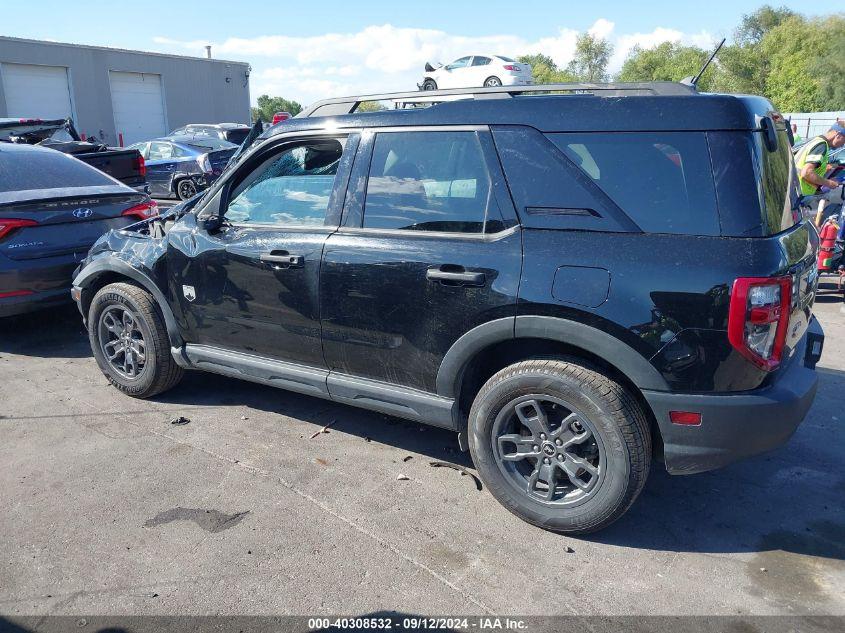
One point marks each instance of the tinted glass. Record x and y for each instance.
(428, 181)
(506, 59)
(236, 136)
(662, 181)
(20, 171)
(480, 61)
(778, 183)
(291, 188)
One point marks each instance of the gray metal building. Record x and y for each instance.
(113, 92)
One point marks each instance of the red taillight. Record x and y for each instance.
(8, 225)
(758, 318)
(140, 165)
(15, 293)
(281, 116)
(686, 418)
(143, 211)
(511, 67)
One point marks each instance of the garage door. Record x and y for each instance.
(138, 106)
(36, 91)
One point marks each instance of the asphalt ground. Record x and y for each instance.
(248, 508)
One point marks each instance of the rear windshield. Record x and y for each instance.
(661, 180)
(22, 170)
(209, 144)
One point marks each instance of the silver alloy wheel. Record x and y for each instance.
(547, 449)
(186, 189)
(122, 342)
(492, 82)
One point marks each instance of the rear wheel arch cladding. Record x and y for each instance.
(113, 270)
(600, 344)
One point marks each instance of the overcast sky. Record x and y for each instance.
(309, 51)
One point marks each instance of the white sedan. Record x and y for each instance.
(476, 71)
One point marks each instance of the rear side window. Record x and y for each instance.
(236, 136)
(662, 181)
(22, 170)
(428, 181)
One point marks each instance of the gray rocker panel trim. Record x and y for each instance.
(313, 381)
(113, 264)
(636, 367)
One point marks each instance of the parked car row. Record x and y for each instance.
(181, 166)
(124, 164)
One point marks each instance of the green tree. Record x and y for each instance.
(830, 68)
(592, 55)
(796, 51)
(268, 106)
(668, 61)
(754, 26)
(544, 70)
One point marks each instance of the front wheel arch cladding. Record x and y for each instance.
(115, 266)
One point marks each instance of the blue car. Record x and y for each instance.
(182, 166)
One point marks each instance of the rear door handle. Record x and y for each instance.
(448, 275)
(282, 259)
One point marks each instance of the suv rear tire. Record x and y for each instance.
(559, 444)
(130, 342)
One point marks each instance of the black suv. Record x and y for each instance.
(575, 283)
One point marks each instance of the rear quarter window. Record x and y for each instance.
(662, 181)
(23, 170)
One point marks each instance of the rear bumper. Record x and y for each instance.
(47, 280)
(11, 306)
(734, 426)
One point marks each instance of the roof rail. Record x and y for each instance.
(348, 105)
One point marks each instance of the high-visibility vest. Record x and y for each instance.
(808, 188)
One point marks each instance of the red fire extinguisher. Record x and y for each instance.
(828, 239)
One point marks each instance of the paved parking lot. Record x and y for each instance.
(111, 509)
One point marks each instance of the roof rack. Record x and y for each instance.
(348, 105)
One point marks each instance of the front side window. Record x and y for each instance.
(291, 188)
(160, 151)
(662, 181)
(458, 63)
(428, 181)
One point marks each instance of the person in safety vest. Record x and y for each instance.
(811, 161)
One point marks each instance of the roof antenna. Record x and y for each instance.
(693, 81)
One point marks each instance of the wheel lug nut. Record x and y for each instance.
(560, 457)
(547, 460)
(536, 449)
(558, 442)
(542, 436)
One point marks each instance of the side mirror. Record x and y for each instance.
(210, 223)
(770, 135)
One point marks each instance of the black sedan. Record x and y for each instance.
(181, 166)
(53, 207)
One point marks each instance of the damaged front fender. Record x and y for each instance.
(137, 254)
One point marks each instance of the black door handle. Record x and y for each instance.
(282, 259)
(455, 276)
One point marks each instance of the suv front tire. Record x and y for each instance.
(560, 444)
(130, 342)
